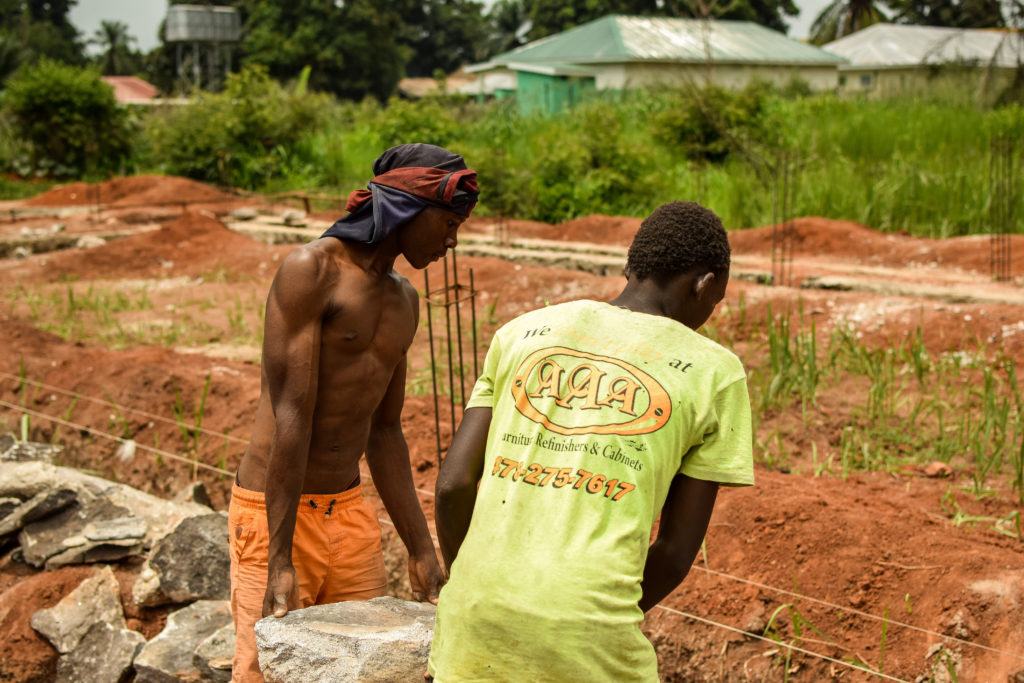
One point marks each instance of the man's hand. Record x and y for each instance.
(282, 592)
(426, 577)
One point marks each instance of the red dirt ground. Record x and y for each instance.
(131, 191)
(595, 229)
(24, 655)
(27, 656)
(877, 542)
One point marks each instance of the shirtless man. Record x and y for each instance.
(339, 322)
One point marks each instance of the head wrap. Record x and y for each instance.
(407, 179)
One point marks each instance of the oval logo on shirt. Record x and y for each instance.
(573, 392)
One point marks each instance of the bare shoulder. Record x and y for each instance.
(304, 276)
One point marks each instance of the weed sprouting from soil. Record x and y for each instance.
(190, 432)
(964, 409)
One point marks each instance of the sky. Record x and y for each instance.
(143, 17)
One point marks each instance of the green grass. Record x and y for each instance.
(13, 187)
(965, 410)
(897, 165)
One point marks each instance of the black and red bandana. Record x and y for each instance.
(407, 179)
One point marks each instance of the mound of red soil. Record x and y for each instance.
(150, 378)
(131, 191)
(599, 229)
(193, 244)
(817, 237)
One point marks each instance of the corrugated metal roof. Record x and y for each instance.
(617, 39)
(131, 89)
(895, 45)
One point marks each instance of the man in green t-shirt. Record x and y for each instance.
(590, 420)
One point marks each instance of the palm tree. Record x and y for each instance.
(843, 17)
(11, 56)
(116, 43)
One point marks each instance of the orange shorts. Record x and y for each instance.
(336, 550)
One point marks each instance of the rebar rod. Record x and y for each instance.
(433, 363)
(448, 334)
(472, 310)
(458, 329)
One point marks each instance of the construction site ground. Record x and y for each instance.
(840, 564)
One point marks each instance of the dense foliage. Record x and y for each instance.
(243, 136)
(65, 122)
(904, 165)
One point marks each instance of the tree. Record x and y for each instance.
(118, 57)
(843, 17)
(952, 13)
(11, 56)
(41, 29)
(509, 23)
(354, 47)
(68, 118)
(443, 35)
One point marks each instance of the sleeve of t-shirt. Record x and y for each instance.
(483, 390)
(726, 454)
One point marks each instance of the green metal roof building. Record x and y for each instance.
(621, 52)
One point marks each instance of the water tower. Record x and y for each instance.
(204, 37)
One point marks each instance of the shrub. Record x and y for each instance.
(68, 120)
(243, 136)
(428, 120)
(708, 124)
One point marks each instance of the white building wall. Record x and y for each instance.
(724, 75)
(488, 81)
(954, 82)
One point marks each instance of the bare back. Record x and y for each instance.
(359, 326)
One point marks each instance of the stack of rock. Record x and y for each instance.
(57, 516)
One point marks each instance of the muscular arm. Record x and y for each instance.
(684, 522)
(457, 481)
(388, 456)
(291, 355)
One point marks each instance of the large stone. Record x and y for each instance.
(245, 213)
(96, 600)
(190, 563)
(96, 500)
(39, 506)
(105, 654)
(169, 656)
(213, 656)
(7, 506)
(96, 531)
(377, 641)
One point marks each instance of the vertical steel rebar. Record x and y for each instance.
(458, 328)
(775, 216)
(472, 310)
(448, 333)
(433, 363)
(1003, 201)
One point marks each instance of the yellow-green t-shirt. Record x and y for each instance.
(595, 410)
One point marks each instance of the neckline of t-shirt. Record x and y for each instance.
(661, 319)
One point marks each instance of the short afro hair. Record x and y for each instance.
(677, 238)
